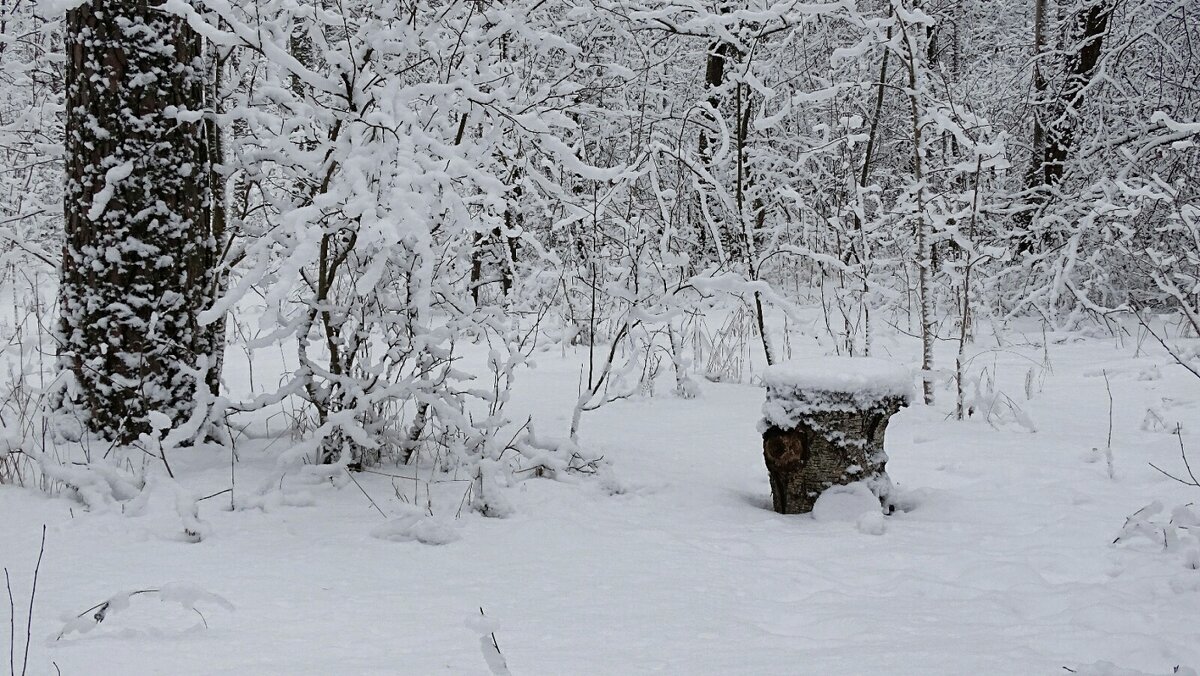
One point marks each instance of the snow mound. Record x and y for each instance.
(416, 525)
(847, 503)
(871, 523)
(851, 375)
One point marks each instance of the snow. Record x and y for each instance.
(845, 503)
(50, 8)
(112, 178)
(871, 523)
(418, 526)
(850, 375)
(999, 559)
(798, 388)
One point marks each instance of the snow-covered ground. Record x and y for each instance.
(1002, 563)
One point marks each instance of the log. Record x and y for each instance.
(823, 424)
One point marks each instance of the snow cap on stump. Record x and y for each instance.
(861, 380)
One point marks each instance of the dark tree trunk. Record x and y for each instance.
(1037, 176)
(1090, 28)
(1056, 118)
(138, 251)
(714, 77)
(729, 230)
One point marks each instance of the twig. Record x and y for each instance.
(32, 595)
(1108, 454)
(528, 422)
(1186, 464)
(394, 476)
(467, 494)
(498, 667)
(1183, 453)
(162, 453)
(1173, 353)
(12, 627)
(493, 635)
(232, 472)
(227, 490)
(364, 492)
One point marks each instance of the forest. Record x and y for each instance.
(415, 336)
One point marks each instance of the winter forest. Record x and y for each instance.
(514, 337)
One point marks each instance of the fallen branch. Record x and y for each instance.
(183, 595)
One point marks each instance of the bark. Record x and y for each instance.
(138, 250)
(216, 330)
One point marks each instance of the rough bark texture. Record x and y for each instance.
(138, 252)
(215, 332)
(840, 441)
(1056, 118)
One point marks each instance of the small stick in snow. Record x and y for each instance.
(1108, 454)
(1186, 464)
(364, 492)
(232, 472)
(12, 626)
(32, 594)
(12, 614)
(1174, 353)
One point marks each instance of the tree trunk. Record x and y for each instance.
(1037, 175)
(219, 226)
(138, 250)
(1055, 121)
(924, 251)
(1089, 31)
(730, 244)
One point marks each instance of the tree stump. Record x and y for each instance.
(823, 425)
